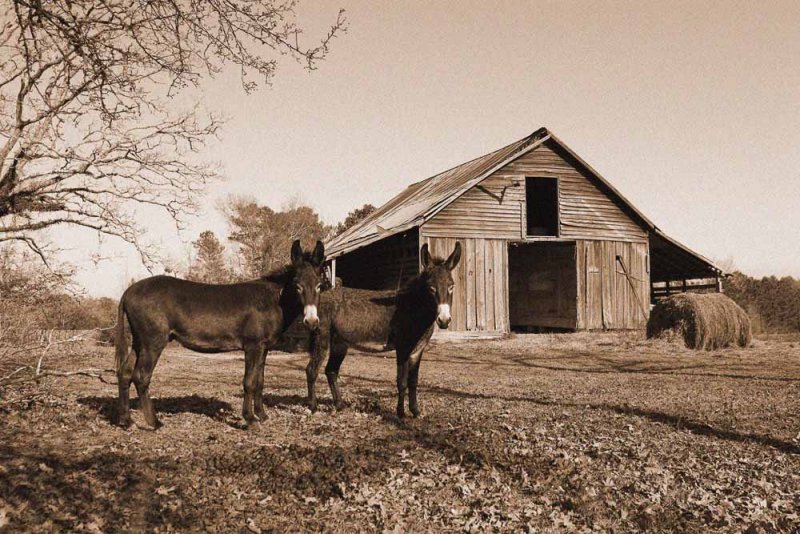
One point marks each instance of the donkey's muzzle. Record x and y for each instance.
(310, 317)
(443, 315)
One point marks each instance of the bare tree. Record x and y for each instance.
(264, 236)
(88, 129)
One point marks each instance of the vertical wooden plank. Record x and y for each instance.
(631, 307)
(500, 296)
(460, 291)
(621, 286)
(580, 287)
(632, 259)
(645, 251)
(480, 284)
(607, 272)
(506, 293)
(490, 256)
(593, 319)
(634, 308)
(644, 283)
(470, 284)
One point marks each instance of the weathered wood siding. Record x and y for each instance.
(384, 264)
(480, 295)
(607, 300)
(495, 208)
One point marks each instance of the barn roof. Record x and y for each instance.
(421, 201)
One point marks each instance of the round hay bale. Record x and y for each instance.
(704, 320)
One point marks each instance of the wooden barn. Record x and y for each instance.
(548, 244)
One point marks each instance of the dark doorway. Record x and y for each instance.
(541, 201)
(543, 287)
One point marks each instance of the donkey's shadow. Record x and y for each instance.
(215, 409)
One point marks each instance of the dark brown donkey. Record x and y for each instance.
(405, 319)
(214, 318)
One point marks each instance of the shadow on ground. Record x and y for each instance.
(214, 408)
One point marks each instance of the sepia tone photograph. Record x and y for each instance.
(409, 266)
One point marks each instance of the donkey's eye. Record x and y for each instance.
(432, 290)
(319, 286)
(450, 289)
(299, 288)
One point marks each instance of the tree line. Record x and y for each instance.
(772, 303)
(260, 239)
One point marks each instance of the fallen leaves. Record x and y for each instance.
(528, 434)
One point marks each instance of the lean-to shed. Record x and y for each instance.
(548, 243)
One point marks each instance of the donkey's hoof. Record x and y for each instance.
(414, 411)
(124, 422)
(339, 405)
(313, 406)
(155, 425)
(252, 424)
(261, 415)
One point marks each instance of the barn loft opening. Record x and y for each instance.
(541, 201)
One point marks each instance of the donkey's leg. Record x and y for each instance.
(413, 379)
(258, 401)
(124, 378)
(319, 348)
(143, 372)
(402, 384)
(252, 354)
(337, 354)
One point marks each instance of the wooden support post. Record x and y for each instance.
(333, 272)
(719, 284)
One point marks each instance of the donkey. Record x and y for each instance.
(404, 319)
(211, 318)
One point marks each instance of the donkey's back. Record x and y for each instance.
(359, 315)
(202, 317)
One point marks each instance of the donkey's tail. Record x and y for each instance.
(120, 342)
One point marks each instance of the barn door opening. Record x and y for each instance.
(542, 286)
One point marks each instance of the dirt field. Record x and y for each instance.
(538, 432)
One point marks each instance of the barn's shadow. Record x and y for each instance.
(210, 407)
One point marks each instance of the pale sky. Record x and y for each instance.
(690, 109)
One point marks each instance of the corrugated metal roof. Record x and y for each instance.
(423, 200)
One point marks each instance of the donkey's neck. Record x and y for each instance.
(414, 303)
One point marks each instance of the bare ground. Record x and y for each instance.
(539, 432)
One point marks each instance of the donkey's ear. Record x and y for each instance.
(452, 261)
(297, 252)
(426, 256)
(318, 256)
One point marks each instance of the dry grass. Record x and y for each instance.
(550, 432)
(704, 321)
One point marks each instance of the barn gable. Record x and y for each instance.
(496, 207)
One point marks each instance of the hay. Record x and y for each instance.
(705, 321)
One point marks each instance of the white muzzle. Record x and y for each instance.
(443, 315)
(310, 317)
